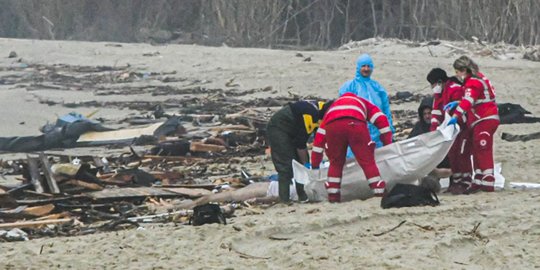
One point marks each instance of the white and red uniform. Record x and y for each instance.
(452, 91)
(478, 103)
(345, 124)
(459, 154)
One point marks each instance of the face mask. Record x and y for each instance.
(437, 89)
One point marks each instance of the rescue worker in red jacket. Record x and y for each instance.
(345, 124)
(445, 90)
(479, 106)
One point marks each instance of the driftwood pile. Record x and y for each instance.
(223, 133)
(474, 46)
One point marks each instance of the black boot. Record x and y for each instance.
(302, 196)
(284, 190)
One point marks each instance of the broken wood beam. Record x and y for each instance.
(34, 224)
(35, 175)
(51, 181)
(203, 147)
(38, 211)
(83, 184)
(173, 158)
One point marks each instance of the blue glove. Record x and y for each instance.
(452, 121)
(451, 105)
(307, 165)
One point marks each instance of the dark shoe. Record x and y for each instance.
(302, 196)
(473, 189)
(459, 188)
(304, 201)
(284, 190)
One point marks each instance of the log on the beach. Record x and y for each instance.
(204, 186)
(131, 192)
(190, 192)
(34, 224)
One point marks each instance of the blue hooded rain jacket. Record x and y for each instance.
(371, 90)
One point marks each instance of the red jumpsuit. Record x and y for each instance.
(345, 124)
(459, 154)
(479, 104)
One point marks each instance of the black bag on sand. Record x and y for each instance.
(206, 214)
(403, 195)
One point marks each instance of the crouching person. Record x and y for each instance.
(345, 124)
(287, 133)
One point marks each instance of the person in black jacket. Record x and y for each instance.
(424, 118)
(287, 134)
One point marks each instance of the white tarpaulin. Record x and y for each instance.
(400, 162)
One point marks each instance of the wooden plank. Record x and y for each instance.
(35, 176)
(231, 128)
(55, 216)
(190, 192)
(202, 147)
(171, 175)
(47, 195)
(130, 192)
(13, 212)
(51, 181)
(38, 211)
(50, 200)
(84, 184)
(205, 186)
(173, 158)
(34, 224)
(118, 135)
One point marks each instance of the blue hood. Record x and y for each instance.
(363, 60)
(371, 90)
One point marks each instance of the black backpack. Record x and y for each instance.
(403, 195)
(206, 214)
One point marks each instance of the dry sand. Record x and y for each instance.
(313, 236)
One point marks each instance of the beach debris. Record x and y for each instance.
(510, 113)
(156, 53)
(532, 54)
(524, 185)
(198, 143)
(524, 138)
(207, 214)
(12, 54)
(391, 229)
(15, 234)
(475, 233)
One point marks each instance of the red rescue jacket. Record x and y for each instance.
(478, 101)
(350, 106)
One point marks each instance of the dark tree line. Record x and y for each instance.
(271, 23)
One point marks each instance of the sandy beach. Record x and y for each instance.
(352, 235)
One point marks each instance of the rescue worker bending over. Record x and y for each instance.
(287, 132)
(345, 124)
(445, 90)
